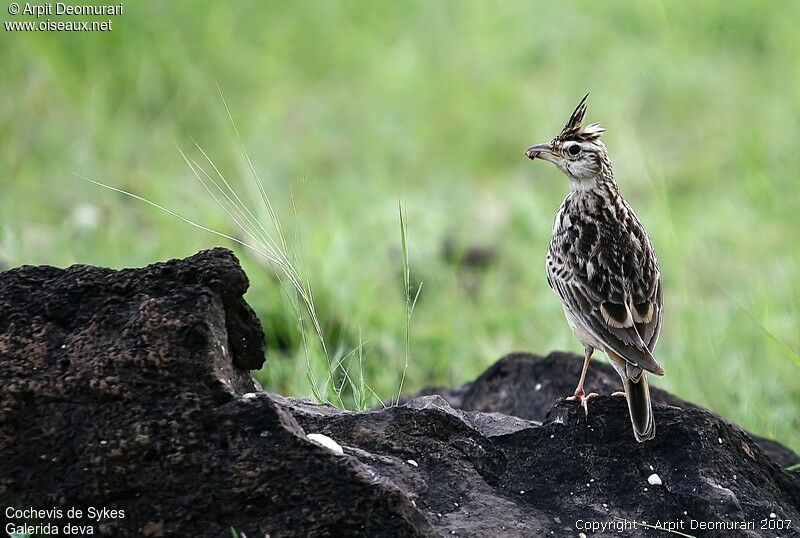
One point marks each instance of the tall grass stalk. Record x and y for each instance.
(271, 244)
(409, 302)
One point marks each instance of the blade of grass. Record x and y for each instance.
(282, 257)
(177, 216)
(278, 259)
(407, 290)
(791, 354)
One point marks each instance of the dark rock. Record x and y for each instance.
(124, 390)
(120, 389)
(526, 385)
(778, 453)
(506, 476)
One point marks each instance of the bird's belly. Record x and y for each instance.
(586, 338)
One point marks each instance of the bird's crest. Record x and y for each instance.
(573, 130)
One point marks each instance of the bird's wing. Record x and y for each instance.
(650, 330)
(615, 293)
(641, 278)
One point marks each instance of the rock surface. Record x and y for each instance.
(129, 390)
(525, 385)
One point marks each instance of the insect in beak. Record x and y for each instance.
(541, 151)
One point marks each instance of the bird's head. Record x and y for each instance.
(577, 151)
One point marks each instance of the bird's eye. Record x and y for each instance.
(574, 150)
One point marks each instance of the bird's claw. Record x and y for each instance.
(619, 394)
(584, 399)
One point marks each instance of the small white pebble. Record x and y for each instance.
(438, 514)
(581, 535)
(552, 436)
(455, 503)
(685, 513)
(720, 440)
(327, 442)
(522, 492)
(654, 480)
(412, 462)
(587, 484)
(645, 489)
(538, 386)
(651, 468)
(605, 505)
(772, 515)
(591, 480)
(63, 346)
(103, 442)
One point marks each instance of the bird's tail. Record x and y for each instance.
(638, 395)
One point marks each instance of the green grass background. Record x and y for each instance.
(350, 107)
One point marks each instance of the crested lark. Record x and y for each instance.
(602, 266)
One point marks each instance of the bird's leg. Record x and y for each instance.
(580, 395)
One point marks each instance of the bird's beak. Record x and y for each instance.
(541, 151)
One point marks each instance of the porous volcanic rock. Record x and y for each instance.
(130, 390)
(526, 385)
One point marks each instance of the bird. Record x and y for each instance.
(602, 265)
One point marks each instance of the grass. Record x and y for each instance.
(410, 302)
(346, 108)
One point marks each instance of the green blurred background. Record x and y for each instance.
(347, 108)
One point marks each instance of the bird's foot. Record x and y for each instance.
(583, 398)
(618, 394)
